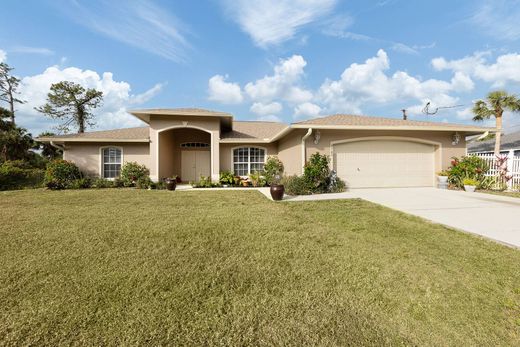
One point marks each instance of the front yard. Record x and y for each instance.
(137, 267)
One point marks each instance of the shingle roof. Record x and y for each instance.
(252, 130)
(508, 141)
(127, 134)
(354, 120)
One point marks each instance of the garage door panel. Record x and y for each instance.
(385, 163)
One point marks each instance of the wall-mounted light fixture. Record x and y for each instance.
(317, 136)
(455, 139)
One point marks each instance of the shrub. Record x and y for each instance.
(131, 172)
(470, 182)
(102, 183)
(144, 183)
(80, 183)
(471, 167)
(60, 174)
(257, 180)
(336, 184)
(227, 177)
(18, 175)
(296, 185)
(317, 172)
(273, 167)
(118, 183)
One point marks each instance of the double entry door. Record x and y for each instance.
(194, 164)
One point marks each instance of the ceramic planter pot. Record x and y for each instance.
(277, 191)
(171, 183)
(469, 189)
(442, 179)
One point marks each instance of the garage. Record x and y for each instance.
(385, 163)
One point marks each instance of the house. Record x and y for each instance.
(509, 142)
(189, 142)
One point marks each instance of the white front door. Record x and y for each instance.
(195, 164)
(385, 163)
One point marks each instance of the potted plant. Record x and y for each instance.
(442, 177)
(470, 184)
(171, 182)
(277, 190)
(244, 182)
(226, 178)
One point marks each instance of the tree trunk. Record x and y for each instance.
(11, 103)
(81, 120)
(498, 135)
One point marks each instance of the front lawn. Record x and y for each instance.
(137, 267)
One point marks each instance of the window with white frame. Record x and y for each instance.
(247, 160)
(111, 165)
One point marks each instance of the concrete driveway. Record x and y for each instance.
(492, 216)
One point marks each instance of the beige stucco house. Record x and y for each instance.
(365, 151)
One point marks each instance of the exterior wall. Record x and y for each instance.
(88, 155)
(158, 124)
(226, 152)
(444, 152)
(290, 152)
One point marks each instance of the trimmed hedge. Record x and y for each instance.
(63, 174)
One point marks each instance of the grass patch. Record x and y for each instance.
(134, 267)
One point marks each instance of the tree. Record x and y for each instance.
(9, 88)
(73, 103)
(15, 142)
(494, 106)
(47, 150)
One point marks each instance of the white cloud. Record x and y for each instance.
(116, 97)
(266, 109)
(269, 118)
(224, 92)
(140, 24)
(506, 68)
(3, 56)
(365, 83)
(306, 110)
(32, 50)
(271, 22)
(282, 84)
(498, 19)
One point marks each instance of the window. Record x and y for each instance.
(111, 165)
(247, 160)
(194, 145)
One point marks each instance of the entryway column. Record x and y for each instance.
(215, 156)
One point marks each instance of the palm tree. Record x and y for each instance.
(496, 103)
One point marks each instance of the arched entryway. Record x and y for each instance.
(184, 152)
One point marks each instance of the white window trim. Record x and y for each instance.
(101, 174)
(249, 162)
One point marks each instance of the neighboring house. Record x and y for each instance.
(509, 142)
(365, 151)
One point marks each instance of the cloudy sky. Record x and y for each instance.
(280, 60)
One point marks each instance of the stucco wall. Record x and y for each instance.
(289, 148)
(88, 155)
(226, 152)
(159, 124)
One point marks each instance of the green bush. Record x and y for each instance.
(467, 167)
(102, 183)
(131, 172)
(470, 182)
(144, 183)
(118, 183)
(273, 168)
(60, 174)
(18, 174)
(81, 183)
(296, 185)
(227, 177)
(317, 172)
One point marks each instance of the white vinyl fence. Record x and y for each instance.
(513, 167)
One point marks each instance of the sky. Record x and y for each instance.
(272, 60)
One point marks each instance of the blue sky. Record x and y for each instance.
(268, 59)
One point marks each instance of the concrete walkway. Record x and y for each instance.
(492, 216)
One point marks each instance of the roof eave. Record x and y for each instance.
(476, 130)
(75, 139)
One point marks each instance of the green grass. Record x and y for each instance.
(133, 267)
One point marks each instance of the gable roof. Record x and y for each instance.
(226, 119)
(508, 141)
(140, 134)
(346, 121)
(254, 131)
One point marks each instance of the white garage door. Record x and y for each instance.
(385, 163)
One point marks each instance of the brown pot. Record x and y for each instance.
(277, 191)
(171, 184)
